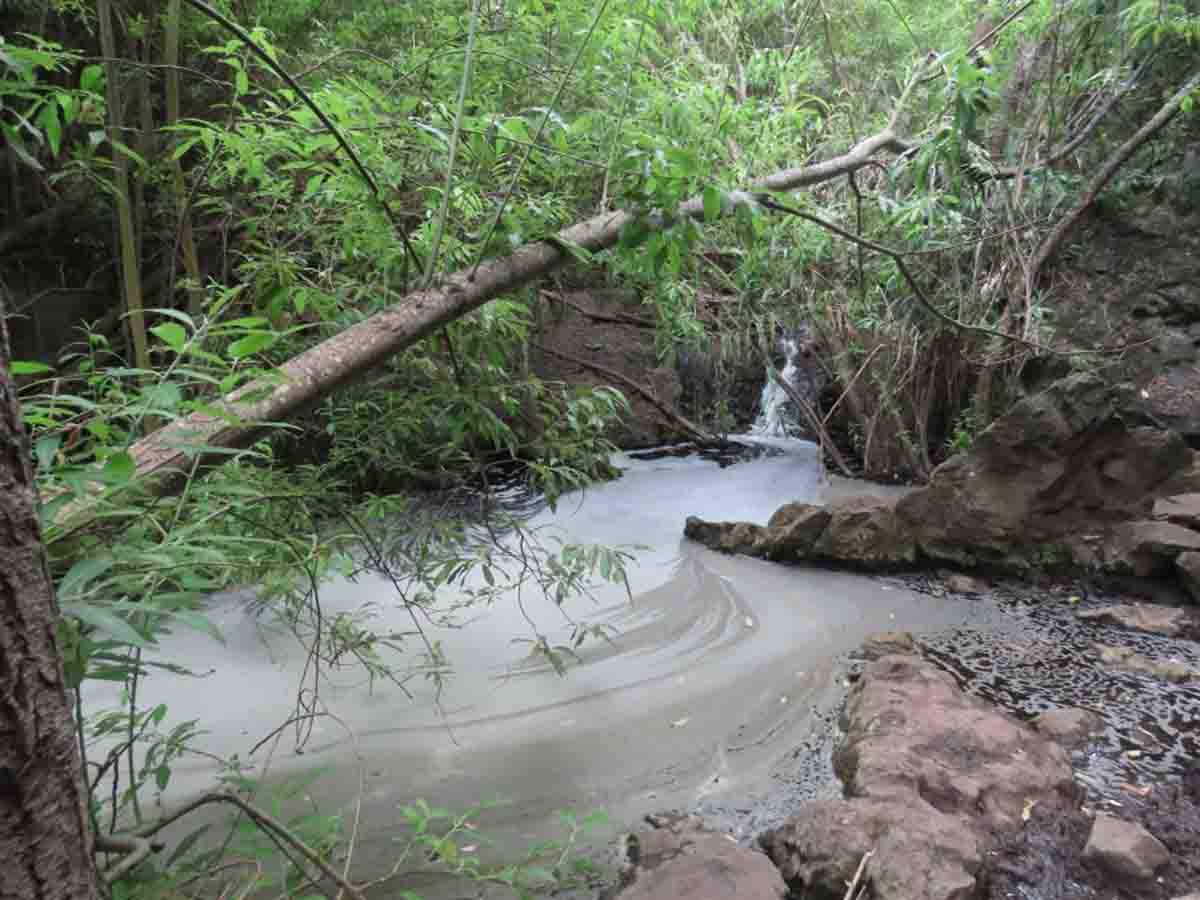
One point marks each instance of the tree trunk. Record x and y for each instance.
(45, 839)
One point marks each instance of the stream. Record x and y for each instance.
(718, 668)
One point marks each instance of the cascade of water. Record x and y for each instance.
(774, 418)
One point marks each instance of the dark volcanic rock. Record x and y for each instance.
(681, 857)
(932, 777)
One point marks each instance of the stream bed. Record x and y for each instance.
(718, 691)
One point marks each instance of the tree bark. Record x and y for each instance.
(45, 837)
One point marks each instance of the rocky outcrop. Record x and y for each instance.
(932, 776)
(679, 856)
(1065, 479)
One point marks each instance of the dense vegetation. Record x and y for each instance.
(194, 195)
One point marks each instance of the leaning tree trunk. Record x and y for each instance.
(45, 839)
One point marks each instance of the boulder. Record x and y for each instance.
(793, 530)
(1125, 849)
(864, 531)
(681, 857)
(1148, 547)
(1068, 727)
(727, 537)
(1057, 464)
(919, 853)
(911, 731)
(1131, 661)
(1170, 621)
(931, 777)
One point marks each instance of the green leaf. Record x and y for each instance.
(18, 367)
(106, 622)
(243, 82)
(172, 334)
(712, 204)
(51, 126)
(91, 79)
(119, 468)
(81, 574)
(45, 450)
(251, 344)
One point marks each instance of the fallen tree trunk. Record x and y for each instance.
(165, 458)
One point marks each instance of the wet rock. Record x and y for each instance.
(865, 531)
(1068, 727)
(1185, 481)
(1131, 661)
(1125, 849)
(887, 643)
(681, 857)
(931, 777)
(1187, 567)
(1165, 620)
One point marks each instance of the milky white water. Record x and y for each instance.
(715, 671)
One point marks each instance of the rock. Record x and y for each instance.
(887, 643)
(1125, 658)
(864, 531)
(919, 853)
(1185, 481)
(959, 583)
(1125, 849)
(727, 537)
(681, 857)
(1165, 620)
(1148, 547)
(1069, 726)
(1058, 465)
(931, 776)
(794, 529)
(1179, 509)
(1187, 567)
(911, 731)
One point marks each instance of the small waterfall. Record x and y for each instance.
(776, 415)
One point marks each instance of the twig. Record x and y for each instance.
(858, 875)
(814, 422)
(688, 428)
(1165, 114)
(619, 319)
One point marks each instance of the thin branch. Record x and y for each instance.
(687, 427)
